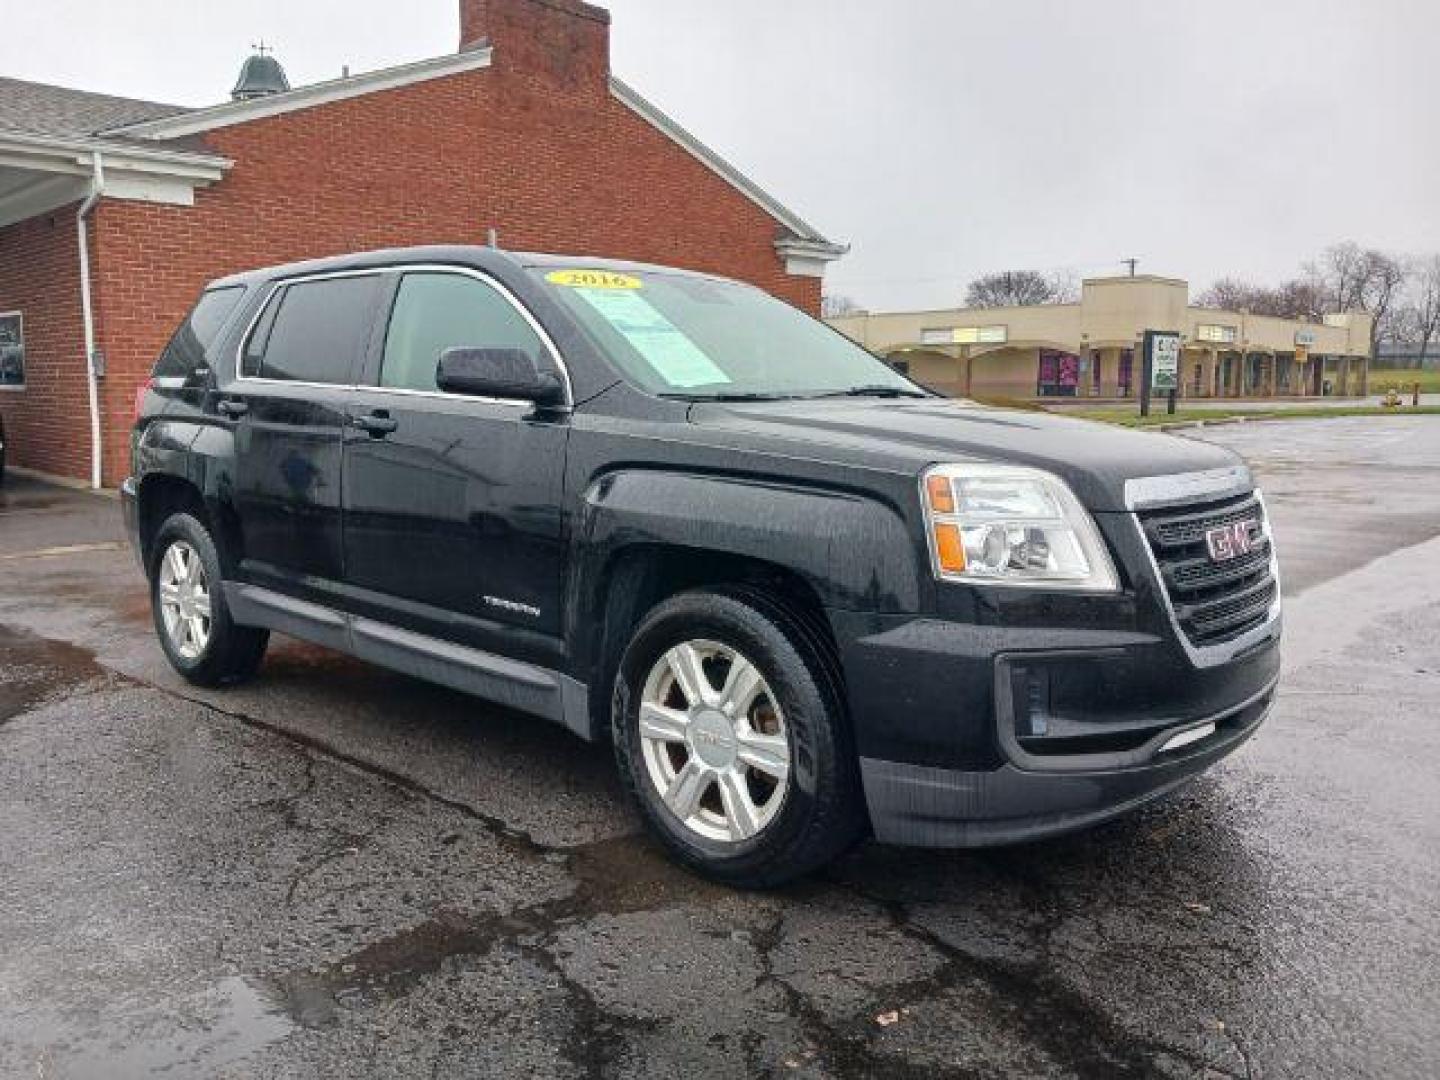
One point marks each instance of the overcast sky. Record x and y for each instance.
(940, 138)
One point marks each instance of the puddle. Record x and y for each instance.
(629, 874)
(192, 1036)
(389, 968)
(615, 877)
(34, 670)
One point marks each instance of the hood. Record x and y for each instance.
(1095, 459)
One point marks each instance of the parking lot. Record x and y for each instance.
(338, 871)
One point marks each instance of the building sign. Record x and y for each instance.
(1219, 335)
(1163, 359)
(1305, 337)
(12, 349)
(966, 335)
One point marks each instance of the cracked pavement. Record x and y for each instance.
(338, 871)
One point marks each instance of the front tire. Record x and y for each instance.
(731, 739)
(200, 639)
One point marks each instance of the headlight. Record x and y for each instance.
(1010, 525)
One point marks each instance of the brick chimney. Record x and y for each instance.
(564, 41)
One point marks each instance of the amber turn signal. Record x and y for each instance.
(941, 495)
(950, 548)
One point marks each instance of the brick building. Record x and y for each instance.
(114, 212)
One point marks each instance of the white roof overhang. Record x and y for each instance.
(39, 173)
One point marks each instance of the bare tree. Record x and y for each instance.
(1384, 284)
(1064, 287)
(1009, 288)
(1344, 269)
(1299, 298)
(836, 305)
(1423, 311)
(1296, 299)
(1228, 294)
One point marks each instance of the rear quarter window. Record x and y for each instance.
(184, 358)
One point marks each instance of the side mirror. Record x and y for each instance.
(498, 373)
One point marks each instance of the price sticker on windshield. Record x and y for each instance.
(593, 279)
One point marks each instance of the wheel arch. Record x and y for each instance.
(643, 536)
(162, 494)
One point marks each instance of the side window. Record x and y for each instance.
(12, 349)
(438, 311)
(184, 357)
(314, 331)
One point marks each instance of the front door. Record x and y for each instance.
(296, 368)
(453, 524)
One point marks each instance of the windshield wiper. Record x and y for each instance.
(735, 396)
(878, 391)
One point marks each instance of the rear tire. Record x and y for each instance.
(200, 639)
(731, 739)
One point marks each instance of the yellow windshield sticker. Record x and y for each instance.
(593, 279)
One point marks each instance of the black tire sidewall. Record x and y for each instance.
(785, 847)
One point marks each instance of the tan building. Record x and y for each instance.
(1092, 349)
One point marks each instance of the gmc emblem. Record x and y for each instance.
(1230, 541)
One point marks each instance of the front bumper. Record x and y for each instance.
(923, 806)
(971, 736)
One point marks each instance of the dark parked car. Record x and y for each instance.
(801, 596)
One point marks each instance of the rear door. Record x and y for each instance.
(452, 504)
(298, 363)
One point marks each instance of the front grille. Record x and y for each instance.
(1214, 602)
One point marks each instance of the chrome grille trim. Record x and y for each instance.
(1180, 489)
(1254, 584)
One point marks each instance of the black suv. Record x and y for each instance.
(800, 595)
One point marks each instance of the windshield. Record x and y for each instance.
(675, 335)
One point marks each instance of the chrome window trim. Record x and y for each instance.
(441, 395)
(1178, 489)
(403, 268)
(273, 289)
(1208, 656)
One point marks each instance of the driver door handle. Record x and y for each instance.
(233, 409)
(377, 424)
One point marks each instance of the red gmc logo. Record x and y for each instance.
(1230, 541)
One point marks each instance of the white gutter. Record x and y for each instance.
(87, 310)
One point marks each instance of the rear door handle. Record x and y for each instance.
(234, 408)
(376, 424)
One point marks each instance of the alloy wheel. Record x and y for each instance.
(184, 594)
(714, 740)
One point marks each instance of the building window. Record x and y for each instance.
(1126, 377)
(12, 349)
(1059, 374)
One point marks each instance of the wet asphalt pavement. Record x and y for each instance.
(337, 871)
